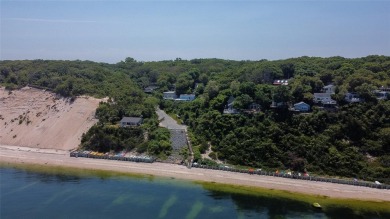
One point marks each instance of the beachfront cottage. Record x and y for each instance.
(130, 121)
(169, 95)
(302, 107)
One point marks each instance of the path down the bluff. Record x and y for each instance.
(178, 134)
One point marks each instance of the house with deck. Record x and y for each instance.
(322, 97)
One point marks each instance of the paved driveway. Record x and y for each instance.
(168, 122)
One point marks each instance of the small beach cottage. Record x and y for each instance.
(302, 107)
(130, 121)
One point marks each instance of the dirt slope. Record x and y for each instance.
(37, 118)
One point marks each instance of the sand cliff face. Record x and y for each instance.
(36, 118)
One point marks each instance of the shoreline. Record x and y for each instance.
(52, 157)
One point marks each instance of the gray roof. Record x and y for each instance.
(322, 94)
(131, 119)
(330, 85)
(301, 103)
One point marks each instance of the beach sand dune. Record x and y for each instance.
(40, 119)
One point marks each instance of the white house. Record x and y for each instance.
(169, 95)
(352, 98)
(329, 89)
(302, 107)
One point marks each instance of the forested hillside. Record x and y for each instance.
(350, 139)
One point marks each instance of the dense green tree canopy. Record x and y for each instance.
(351, 141)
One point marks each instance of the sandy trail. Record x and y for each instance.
(15, 154)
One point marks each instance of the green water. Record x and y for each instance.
(29, 194)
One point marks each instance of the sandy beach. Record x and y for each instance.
(54, 157)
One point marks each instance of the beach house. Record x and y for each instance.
(130, 121)
(302, 107)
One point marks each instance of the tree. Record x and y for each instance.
(265, 72)
(281, 94)
(184, 84)
(263, 95)
(242, 101)
(211, 89)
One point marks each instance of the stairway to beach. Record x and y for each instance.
(178, 135)
(178, 139)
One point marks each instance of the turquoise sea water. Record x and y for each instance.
(26, 194)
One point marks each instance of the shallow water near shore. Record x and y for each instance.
(53, 192)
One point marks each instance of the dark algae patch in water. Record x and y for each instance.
(274, 199)
(74, 172)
